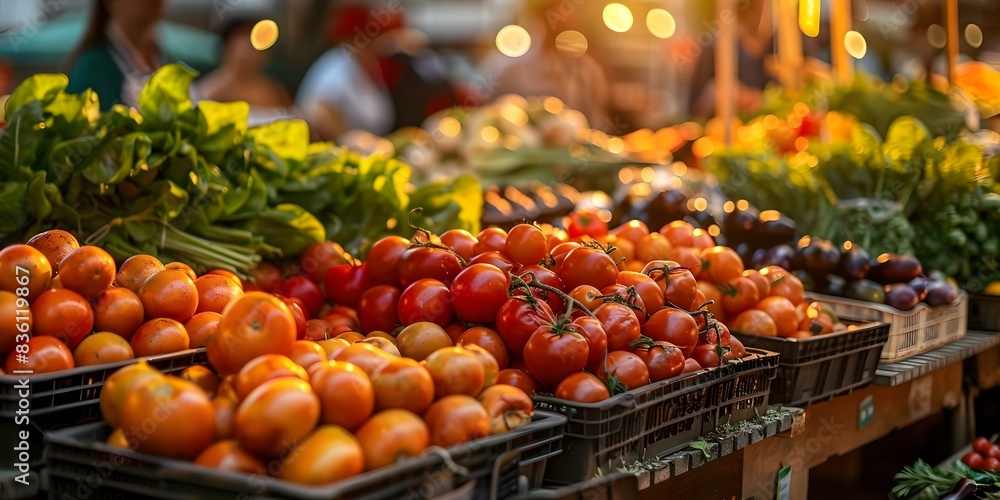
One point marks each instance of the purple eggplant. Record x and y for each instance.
(890, 269)
(780, 255)
(854, 263)
(901, 296)
(940, 293)
(920, 285)
(817, 257)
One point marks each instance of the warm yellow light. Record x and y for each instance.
(490, 134)
(702, 147)
(743, 205)
(661, 23)
(937, 36)
(770, 215)
(264, 34)
(617, 17)
(679, 168)
(801, 143)
(513, 41)
(855, 44)
(770, 122)
(648, 174)
(626, 175)
(571, 43)
(809, 17)
(701, 204)
(514, 114)
(714, 231)
(552, 105)
(974, 35)
(449, 126)
(616, 145)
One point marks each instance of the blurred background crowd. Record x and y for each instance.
(384, 64)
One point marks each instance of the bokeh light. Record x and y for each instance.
(809, 17)
(264, 34)
(937, 36)
(974, 35)
(513, 41)
(661, 23)
(855, 44)
(571, 43)
(617, 17)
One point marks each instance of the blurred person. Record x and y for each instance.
(240, 76)
(576, 79)
(118, 50)
(377, 77)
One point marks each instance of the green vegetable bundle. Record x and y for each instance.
(194, 183)
(920, 481)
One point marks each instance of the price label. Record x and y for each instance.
(866, 411)
(784, 489)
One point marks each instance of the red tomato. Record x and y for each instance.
(587, 296)
(488, 340)
(461, 241)
(491, 239)
(422, 262)
(707, 355)
(597, 338)
(63, 314)
(674, 326)
(586, 222)
(426, 300)
(626, 367)
(345, 283)
(519, 379)
(620, 323)
(479, 292)
(383, 258)
(378, 309)
(546, 277)
(582, 387)
(553, 352)
(588, 266)
(319, 257)
(663, 359)
(690, 366)
(497, 259)
(646, 287)
(301, 288)
(297, 309)
(526, 244)
(518, 319)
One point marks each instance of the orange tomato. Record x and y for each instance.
(88, 270)
(738, 295)
(687, 257)
(488, 340)
(225, 414)
(720, 264)
(203, 377)
(351, 337)
(456, 419)
(782, 311)
(118, 310)
(507, 406)
(276, 414)
(455, 370)
(333, 347)
(160, 336)
(390, 436)
(201, 327)
(184, 268)
(55, 245)
(228, 456)
(519, 379)
(753, 322)
(117, 439)
(633, 231)
(119, 385)
(763, 284)
(702, 239)
(266, 276)
(403, 383)
(369, 358)
(11, 319)
(420, 339)
(100, 348)
(169, 294)
(327, 455)
(158, 417)
(305, 353)
(345, 392)
(653, 246)
(45, 355)
(711, 292)
(491, 370)
(215, 292)
(62, 314)
(255, 324)
(24, 269)
(263, 368)
(382, 343)
(135, 270)
(225, 273)
(784, 284)
(679, 233)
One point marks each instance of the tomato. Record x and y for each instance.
(384, 344)
(491, 239)
(736, 349)
(626, 368)
(100, 348)
(276, 414)
(455, 370)
(117, 439)
(87, 270)
(784, 284)
(62, 314)
(982, 446)
(627, 296)
(554, 351)
(649, 291)
(25, 271)
(179, 266)
(782, 311)
(267, 276)
(264, 368)
(345, 283)
(991, 464)
(688, 258)
(507, 407)
(461, 241)
(383, 257)
(317, 258)
(479, 292)
(422, 262)
(369, 358)
(712, 293)
(703, 240)
(301, 288)
(171, 405)
(488, 340)
(491, 370)
(426, 300)
(526, 244)
(201, 327)
(582, 387)
(227, 456)
(763, 284)
(620, 323)
(517, 378)
(392, 435)
(754, 322)
(518, 319)
(45, 355)
(632, 231)
(562, 249)
(456, 419)
(160, 336)
(15, 321)
(305, 353)
(588, 266)
(546, 277)
(328, 454)
(974, 460)
(169, 294)
(663, 359)
(495, 259)
(378, 308)
(55, 245)
(707, 355)
(588, 296)
(253, 325)
(679, 233)
(721, 264)
(403, 383)
(203, 377)
(673, 326)
(653, 246)
(597, 338)
(586, 222)
(738, 295)
(215, 292)
(346, 394)
(118, 310)
(333, 347)
(297, 309)
(419, 340)
(119, 385)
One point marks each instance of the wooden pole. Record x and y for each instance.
(951, 45)
(789, 44)
(840, 24)
(726, 66)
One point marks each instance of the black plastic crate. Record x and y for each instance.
(984, 312)
(825, 366)
(617, 486)
(81, 464)
(69, 397)
(659, 418)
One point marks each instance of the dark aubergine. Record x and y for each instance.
(901, 296)
(773, 228)
(854, 263)
(739, 224)
(866, 290)
(808, 282)
(920, 284)
(780, 256)
(666, 207)
(940, 293)
(890, 269)
(832, 285)
(817, 257)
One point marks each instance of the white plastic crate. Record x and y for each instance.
(912, 332)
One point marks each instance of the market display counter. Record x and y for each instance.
(904, 393)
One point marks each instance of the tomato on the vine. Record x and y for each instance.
(378, 308)
(496, 259)
(588, 266)
(596, 337)
(646, 287)
(383, 257)
(555, 351)
(461, 241)
(663, 359)
(586, 222)
(526, 244)
(518, 319)
(626, 367)
(345, 283)
(420, 262)
(620, 323)
(545, 277)
(674, 326)
(478, 293)
(707, 355)
(426, 300)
